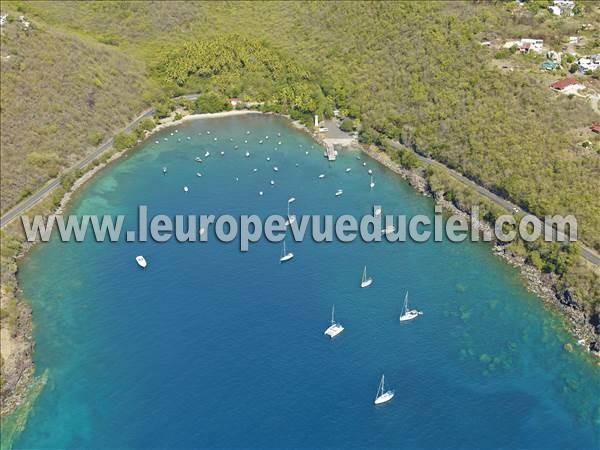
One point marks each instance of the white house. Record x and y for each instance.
(591, 62)
(555, 10)
(560, 7)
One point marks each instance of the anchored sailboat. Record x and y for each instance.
(366, 282)
(383, 396)
(408, 314)
(372, 185)
(335, 328)
(291, 218)
(285, 255)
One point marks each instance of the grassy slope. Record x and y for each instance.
(61, 95)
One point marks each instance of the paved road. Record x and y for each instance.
(586, 252)
(40, 194)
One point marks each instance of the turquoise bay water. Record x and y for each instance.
(210, 347)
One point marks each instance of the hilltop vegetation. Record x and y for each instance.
(61, 96)
(413, 72)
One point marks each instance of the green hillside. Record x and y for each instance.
(410, 71)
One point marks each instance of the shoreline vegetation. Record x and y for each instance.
(541, 284)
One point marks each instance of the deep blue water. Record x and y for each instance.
(210, 347)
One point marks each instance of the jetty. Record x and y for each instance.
(330, 152)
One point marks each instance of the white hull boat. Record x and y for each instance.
(141, 261)
(285, 255)
(335, 328)
(408, 314)
(383, 396)
(365, 282)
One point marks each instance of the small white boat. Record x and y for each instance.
(260, 142)
(268, 158)
(272, 182)
(372, 184)
(285, 255)
(247, 154)
(245, 141)
(171, 134)
(377, 211)
(156, 142)
(198, 159)
(335, 328)
(247, 132)
(207, 154)
(254, 170)
(306, 153)
(364, 164)
(165, 139)
(339, 193)
(279, 143)
(208, 132)
(291, 218)
(260, 193)
(388, 229)
(275, 169)
(176, 131)
(383, 396)
(348, 169)
(215, 139)
(222, 153)
(370, 172)
(278, 134)
(141, 261)
(185, 189)
(188, 138)
(236, 147)
(164, 170)
(266, 137)
(198, 174)
(322, 175)
(230, 139)
(408, 314)
(365, 282)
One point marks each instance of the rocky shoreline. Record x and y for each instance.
(541, 284)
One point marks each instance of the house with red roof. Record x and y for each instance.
(564, 83)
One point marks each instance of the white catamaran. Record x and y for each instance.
(285, 256)
(383, 396)
(335, 328)
(408, 314)
(366, 282)
(290, 217)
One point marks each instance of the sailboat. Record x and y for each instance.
(291, 218)
(408, 314)
(164, 170)
(285, 255)
(372, 185)
(383, 396)
(366, 282)
(335, 328)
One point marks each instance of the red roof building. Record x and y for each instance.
(596, 127)
(561, 84)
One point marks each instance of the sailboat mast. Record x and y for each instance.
(405, 303)
(332, 314)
